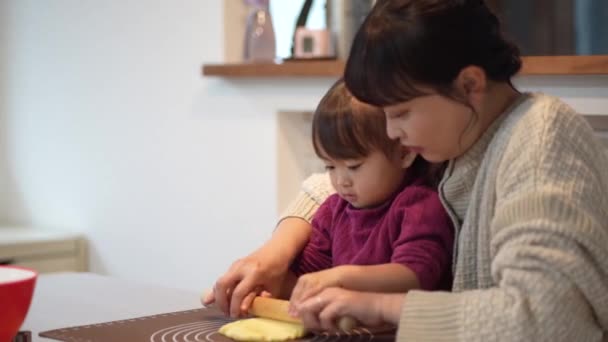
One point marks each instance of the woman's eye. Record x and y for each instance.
(402, 114)
(398, 115)
(329, 167)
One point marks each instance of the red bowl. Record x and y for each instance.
(16, 290)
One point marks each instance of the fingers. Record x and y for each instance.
(242, 290)
(332, 318)
(222, 291)
(308, 311)
(299, 307)
(326, 311)
(233, 291)
(247, 302)
(327, 317)
(294, 300)
(207, 297)
(306, 287)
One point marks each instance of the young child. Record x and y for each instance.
(384, 229)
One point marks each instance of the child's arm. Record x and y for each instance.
(377, 278)
(425, 238)
(370, 278)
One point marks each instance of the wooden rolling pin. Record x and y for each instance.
(278, 309)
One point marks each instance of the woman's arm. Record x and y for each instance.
(266, 268)
(314, 191)
(263, 270)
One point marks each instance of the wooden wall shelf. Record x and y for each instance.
(553, 65)
(326, 68)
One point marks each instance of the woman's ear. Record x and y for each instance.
(471, 82)
(407, 157)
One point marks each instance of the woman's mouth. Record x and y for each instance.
(415, 149)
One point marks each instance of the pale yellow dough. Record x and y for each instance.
(262, 329)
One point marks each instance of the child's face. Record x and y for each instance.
(368, 181)
(434, 126)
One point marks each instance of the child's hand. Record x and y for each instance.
(310, 284)
(322, 312)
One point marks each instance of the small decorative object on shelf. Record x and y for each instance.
(313, 44)
(260, 45)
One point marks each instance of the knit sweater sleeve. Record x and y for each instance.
(548, 246)
(314, 191)
(317, 254)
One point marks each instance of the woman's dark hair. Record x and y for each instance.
(346, 128)
(405, 44)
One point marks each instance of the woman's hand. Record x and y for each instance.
(246, 278)
(322, 312)
(263, 272)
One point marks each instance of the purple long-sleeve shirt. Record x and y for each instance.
(412, 228)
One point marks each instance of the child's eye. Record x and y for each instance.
(354, 167)
(329, 167)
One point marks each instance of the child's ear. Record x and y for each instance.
(407, 157)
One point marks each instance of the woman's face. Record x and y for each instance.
(434, 126)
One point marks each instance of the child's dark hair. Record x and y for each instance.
(345, 128)
(405, 44)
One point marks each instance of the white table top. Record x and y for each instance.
(68, 299)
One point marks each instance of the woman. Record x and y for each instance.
(526, 187)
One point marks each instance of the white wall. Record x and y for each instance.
(5, 191)
(107, 127)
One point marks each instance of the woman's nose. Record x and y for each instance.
(393, 131)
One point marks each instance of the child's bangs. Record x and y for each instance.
(339, 137)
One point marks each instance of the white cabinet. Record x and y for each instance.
(42, 249)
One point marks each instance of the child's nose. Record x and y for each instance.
(344, 180)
